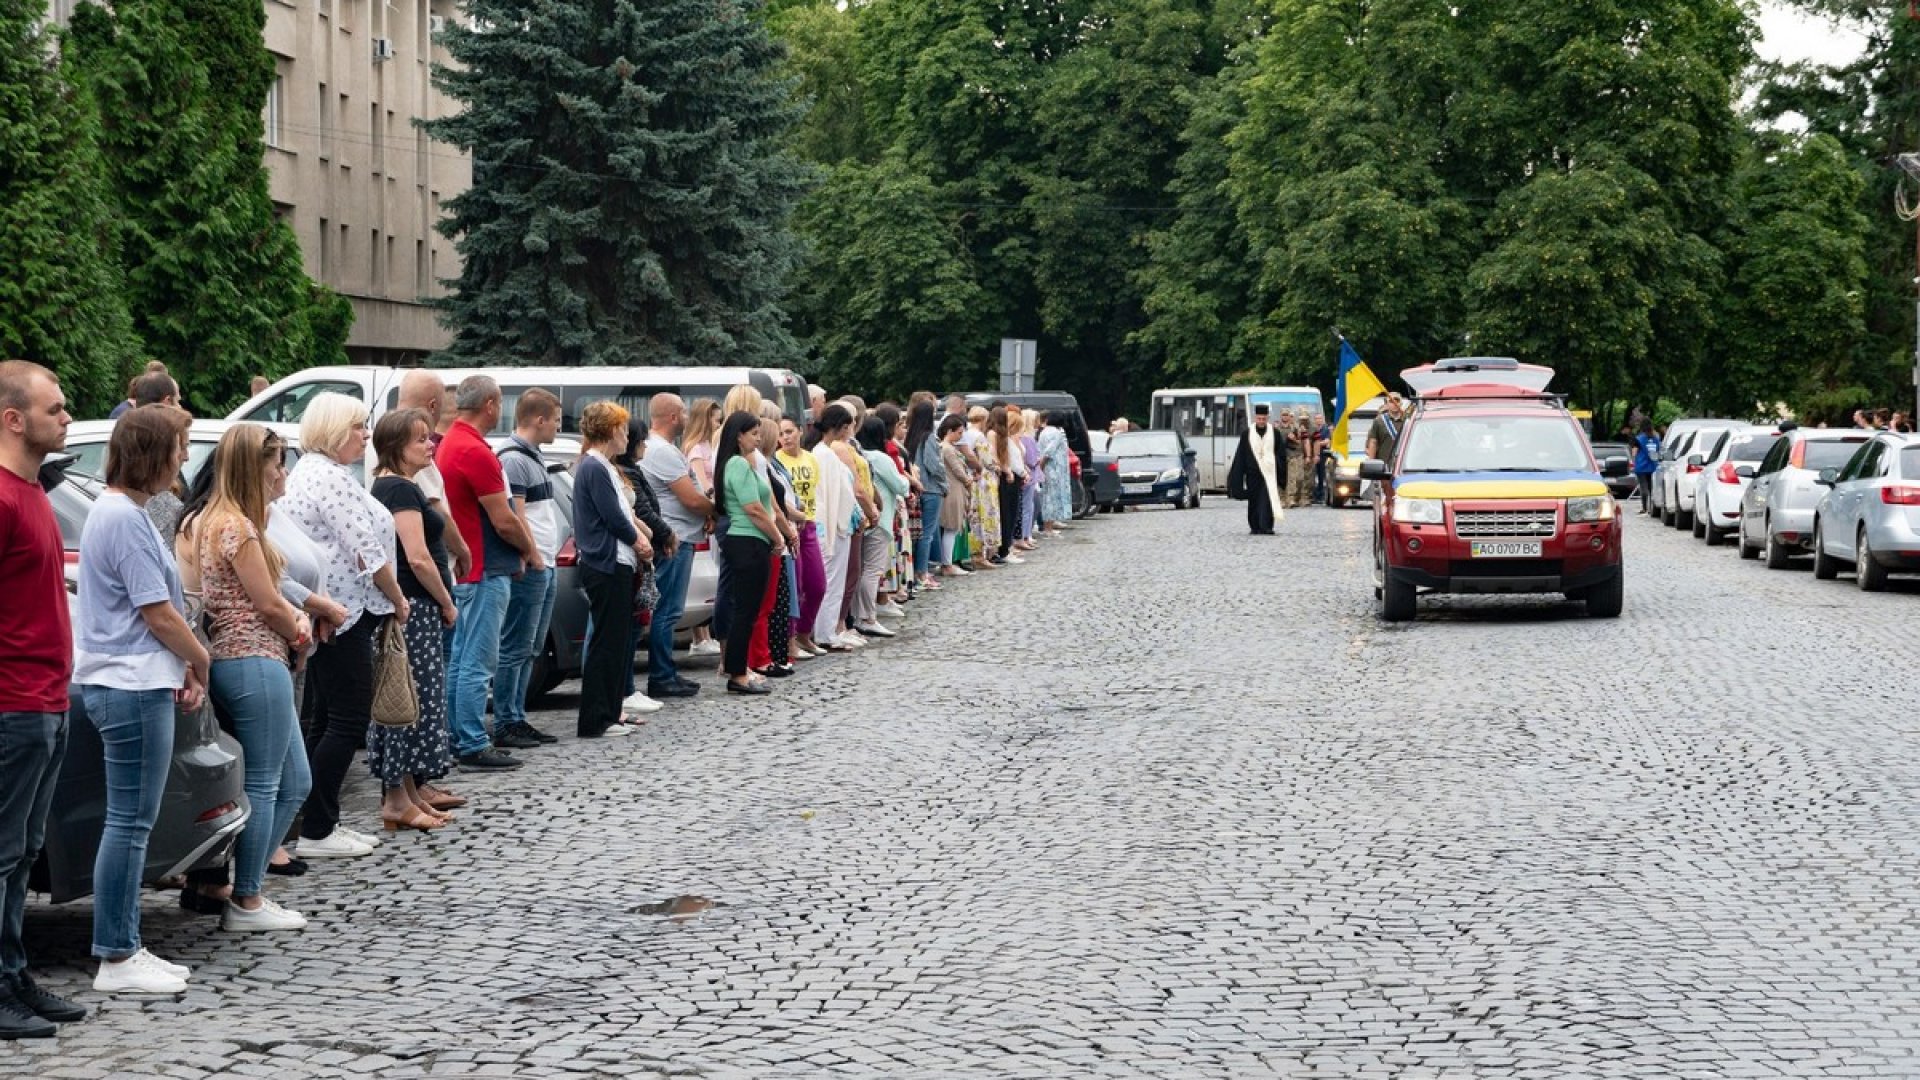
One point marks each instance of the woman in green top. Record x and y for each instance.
(752, 545)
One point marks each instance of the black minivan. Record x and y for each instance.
(1064, 408)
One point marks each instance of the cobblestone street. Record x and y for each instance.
(1222, 822)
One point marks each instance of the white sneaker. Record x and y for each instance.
(355, 834)
(616, 731)
(876, 630)
(638, 702)
(268, 916)
(1016, 560)
(797, 651)
(852, 640)
(181, 970)
(335, 845)
(140, 973)
(704, 647)
(891, 609)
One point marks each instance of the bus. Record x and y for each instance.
(1213, 419)
(632, 387)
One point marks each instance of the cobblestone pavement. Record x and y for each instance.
(1221, 822)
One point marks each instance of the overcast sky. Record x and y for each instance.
(1788, 35)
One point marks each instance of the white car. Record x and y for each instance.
(1726, 468)
(87, 442)
(1676, 477)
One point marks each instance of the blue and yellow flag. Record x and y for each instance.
(1352, 387)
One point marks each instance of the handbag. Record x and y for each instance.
(396, 704)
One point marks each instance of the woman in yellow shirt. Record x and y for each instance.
(812, 570)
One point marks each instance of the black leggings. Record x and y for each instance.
(1644, 481)
(747, 559)
(340, 680)
(1009, 512)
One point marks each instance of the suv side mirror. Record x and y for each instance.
(1827, 477)
(1375, 469)
(1616, 467)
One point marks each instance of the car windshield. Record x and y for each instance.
(1144, 443)
(1494, 444)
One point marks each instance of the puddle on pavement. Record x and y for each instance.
(680, 909)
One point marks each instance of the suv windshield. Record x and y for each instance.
(1494, 444)
(1144, 443)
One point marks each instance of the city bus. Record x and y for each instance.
(1213, 418)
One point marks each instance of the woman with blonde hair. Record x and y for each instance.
(696, 442)
(1029, 453)
(984, 527)
(252, 629)
(355, 535)
(405, 759)
(611, 543)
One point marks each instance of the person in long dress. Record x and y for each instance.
(1259, 474)
(1056, 484)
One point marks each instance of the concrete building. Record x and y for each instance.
(359, 183)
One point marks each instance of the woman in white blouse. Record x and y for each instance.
(355, 536)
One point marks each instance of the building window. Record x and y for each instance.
(374, 263)
(326, 123)
(325, 8)
(276, 109)
(379, 144)
(326, 251)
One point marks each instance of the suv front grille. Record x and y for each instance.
(1505, 523)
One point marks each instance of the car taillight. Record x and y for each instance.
(1726, 475)
(703, 545)
(72, 557)
(1113, 466)
(1691, 469)
(1900, 495)
(216, 813)
(568, 555)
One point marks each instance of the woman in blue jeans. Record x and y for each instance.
(923, 452)
(135, 661)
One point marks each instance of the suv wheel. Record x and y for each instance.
(1605, 600)
(1825, 566)
(1867, 571)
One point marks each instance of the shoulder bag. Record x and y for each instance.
(395, 702)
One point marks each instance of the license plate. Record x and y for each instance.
(1505, 549)
(1136, 489)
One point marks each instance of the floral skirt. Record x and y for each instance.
(422, 749)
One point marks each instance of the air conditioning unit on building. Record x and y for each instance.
(436, 24)
(382, 49)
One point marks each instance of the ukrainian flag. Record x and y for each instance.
(1352, 387)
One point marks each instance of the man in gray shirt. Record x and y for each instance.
(687, 509)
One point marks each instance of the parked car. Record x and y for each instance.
(1871, 517)
(1103, 481)
(87, 444)
(1725, 469)
(1622, 487)
(1673, 484)
(1776, 513)
(1065, 411)
(1156, 467)
(1344, 483)
(202, 810)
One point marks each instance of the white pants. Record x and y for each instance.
(826, 625)
(874, 546)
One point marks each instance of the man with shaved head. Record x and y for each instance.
(421, 389)
(687, 509)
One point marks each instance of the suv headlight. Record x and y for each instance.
(1420, 511)
(1169, 476)
(1590, 508)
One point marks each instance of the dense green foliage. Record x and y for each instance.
(213, 279)
(60, 294)
(632, 184)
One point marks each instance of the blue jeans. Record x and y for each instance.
(522, 634)
(672, 576)
(31, 748)
(926, 545)
(136, 740)
(482, 609)
(258, 694)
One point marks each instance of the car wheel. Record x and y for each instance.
(1867, 571)
(1693, 522)
(1667, 516)
(1777, 556)
(1398, 600)
(1825, 566)
(1714, 537)
(1605, 600)
(1196, 498)
(1747, 551)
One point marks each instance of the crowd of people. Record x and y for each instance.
(319, 615)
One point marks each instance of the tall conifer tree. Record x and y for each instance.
(215, 281)
(632, 185)
(60, 301)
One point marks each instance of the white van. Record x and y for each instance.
(379, 387)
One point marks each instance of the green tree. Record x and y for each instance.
(632, 184)
(214, 280)
(61, 301)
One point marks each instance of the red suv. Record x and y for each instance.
(1493, 489)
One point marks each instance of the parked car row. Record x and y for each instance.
(1849, 498)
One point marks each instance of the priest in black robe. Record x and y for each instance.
(1259, 474)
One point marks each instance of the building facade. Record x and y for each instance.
(349, 169)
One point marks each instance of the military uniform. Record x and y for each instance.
(1299, 476)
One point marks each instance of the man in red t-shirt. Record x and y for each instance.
(36, 662)
(502, 548)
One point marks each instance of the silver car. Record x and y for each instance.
(1675, 477)
(1776, 513)
(1871, 517)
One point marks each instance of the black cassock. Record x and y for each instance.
(1244, 481)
